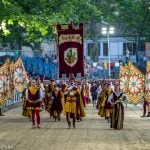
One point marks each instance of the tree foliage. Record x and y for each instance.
(32, 21)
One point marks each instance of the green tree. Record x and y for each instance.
(31, 21)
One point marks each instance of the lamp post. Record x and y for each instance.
(108, 30)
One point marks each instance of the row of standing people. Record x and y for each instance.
(111, 105)
(69, 99)
(110, 102)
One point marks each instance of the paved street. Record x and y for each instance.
(93, 133)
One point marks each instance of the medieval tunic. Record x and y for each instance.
(118, 110)
(26, 112)
(34, 97)
(83, 96)
(70, 105)
(107, 107)
(101, 102)
(80, 112)
(56, 102)
(47, 99)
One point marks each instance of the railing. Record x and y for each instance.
(12, 103)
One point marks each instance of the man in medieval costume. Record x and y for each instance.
(85, 94)
(26, 112)
(34, 97)
(146, 108)
(48, 99)
(94, 93)
(71, 97)
(80, 112)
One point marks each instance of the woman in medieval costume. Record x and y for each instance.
(34, 98)
(117, 100)
(107, 107)
(103, 96)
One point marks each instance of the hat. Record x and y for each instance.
(33, 81)
(74, 88)
(70, 88)
(52, 80)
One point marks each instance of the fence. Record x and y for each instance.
(12, 103)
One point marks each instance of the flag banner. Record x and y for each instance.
(70, 49)
(4, 83)
(11, 83)
(123, 76)
(135, 84)
(20, 76)
(147, 82)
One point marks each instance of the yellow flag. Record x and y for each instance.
(123, 75)
(136, 84)
(147, 82)
(20, 76)
(4, 83)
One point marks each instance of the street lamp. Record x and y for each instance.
(108, 31)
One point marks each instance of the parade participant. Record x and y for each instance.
(85, 93)
(98, 91)
(112, 86)
(80, 112)
(49, 88)
(93, 93)
(34, 97)
(148, 109)
(56, 107)
(117, 101)
(70, 105)
(145, 107)
(48, 93)
(107, 107)
(40, 84)
(102, 99)
(1, 114)
(26, 112)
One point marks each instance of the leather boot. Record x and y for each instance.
(69, 125)
(1, 112)
(148, 115)
(74, 126)
(143, 115)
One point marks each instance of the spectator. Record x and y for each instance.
(46, 59)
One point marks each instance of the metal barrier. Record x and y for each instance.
(12, 103)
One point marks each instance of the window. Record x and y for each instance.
(134, 48)
(131, 47)
(90, 47)
(105, 49)
(124, 48)
(99, 49)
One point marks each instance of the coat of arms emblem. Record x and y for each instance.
(71, 57)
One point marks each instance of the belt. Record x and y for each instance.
(35, 101)
(71, 98)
